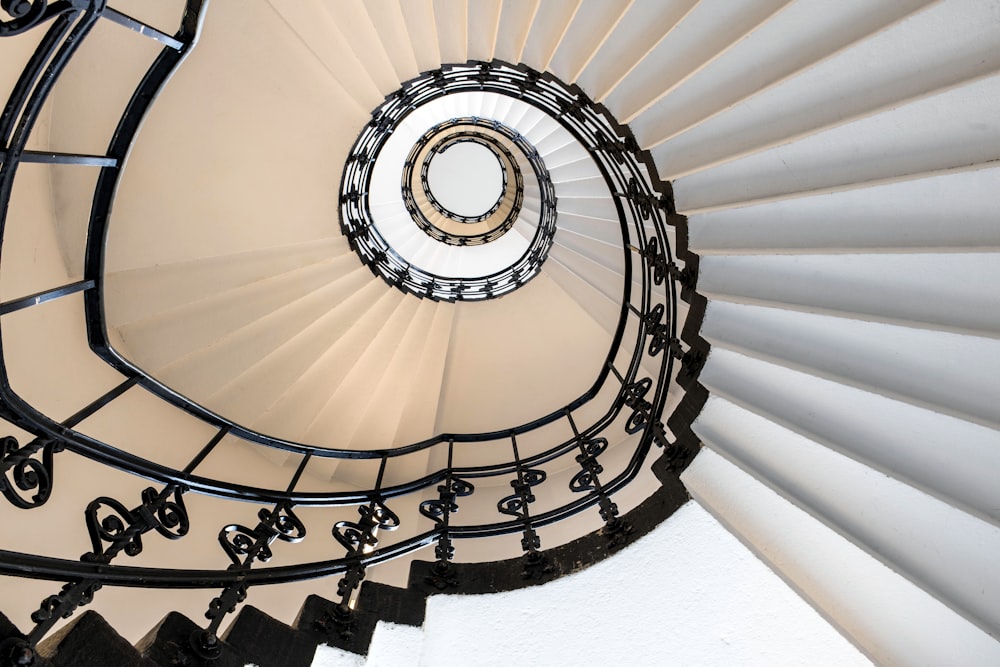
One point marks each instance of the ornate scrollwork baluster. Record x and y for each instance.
(676, 456)
(113, 529)
(358, 538)
(635, 398)
(27, 470)
(657, 329)
(109, 522)
(245, 546)
(691, 360)
(440, 511)
(517, 505)
(615, 528)
(26, 14)
(656, 260)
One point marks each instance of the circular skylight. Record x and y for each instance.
(466, 179)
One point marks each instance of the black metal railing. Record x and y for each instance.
(631, 416)
(500, 217)
(359, 226)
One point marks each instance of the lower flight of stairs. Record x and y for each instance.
(255, 638)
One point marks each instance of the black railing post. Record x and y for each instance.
(615, 528)
(113, 529)
(517, 505)
(21, 473)
(359, 538)
(244, 546)
(440, 511)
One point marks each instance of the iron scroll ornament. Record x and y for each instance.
(27, 14)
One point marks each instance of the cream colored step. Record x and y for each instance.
(516, 17)
(295, 410)
(538, 349)
(548, 27)
(389, 22)
(248, 396)
(484, 24)
(164, 337)
(322, 33)
(337, 420)
(420, 25)
(204, 372)
(418, 418)
(452, 20)
(136, 294)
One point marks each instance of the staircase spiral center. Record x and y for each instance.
(466, 178)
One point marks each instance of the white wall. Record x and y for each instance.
(689, 593)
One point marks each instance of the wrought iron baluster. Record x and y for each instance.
(113, 529)
(26, 14)
(516, 505)
(616, 529)
(440, 512)
(50, 157)
(245, 546)
(635, 398)
(23, 470)
(144, 29)
(358, 538)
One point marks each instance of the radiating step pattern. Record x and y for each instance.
(838, 164)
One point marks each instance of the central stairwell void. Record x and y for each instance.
(379, 332)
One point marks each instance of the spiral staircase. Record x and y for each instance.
(212, 286)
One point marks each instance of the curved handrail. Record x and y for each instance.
(640, 200)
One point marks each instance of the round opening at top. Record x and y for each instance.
(466, 179)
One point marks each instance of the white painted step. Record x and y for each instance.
(805, 33)
(925, 367)
(924, 54)
(942, 131)
(897, 216)
(944, 456)
(640, 30)
(592, 25)
(951, 292)
(703, 35)
(873, 605)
